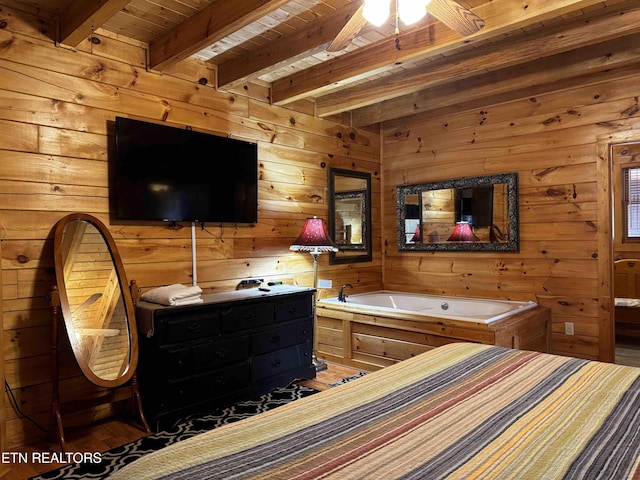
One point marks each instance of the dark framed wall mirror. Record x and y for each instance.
(473, 214)
(350, 215)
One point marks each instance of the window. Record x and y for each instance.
(631, 204)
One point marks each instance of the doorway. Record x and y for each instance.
(622, 157)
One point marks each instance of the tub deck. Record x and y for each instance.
(376, 340)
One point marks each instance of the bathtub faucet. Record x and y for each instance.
(341, 296)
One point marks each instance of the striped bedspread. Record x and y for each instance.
(462, 411)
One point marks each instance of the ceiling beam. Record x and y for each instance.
(215, 22)
(81, 18)
(487, 58)
(522, 79)
(455, 16)
(287, 47)
(501, 17)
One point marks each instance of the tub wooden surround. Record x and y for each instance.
(374, 341)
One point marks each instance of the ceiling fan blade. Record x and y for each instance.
(349, 31)
(455, 16)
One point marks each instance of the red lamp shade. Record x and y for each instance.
(462, 233)
(314, 238)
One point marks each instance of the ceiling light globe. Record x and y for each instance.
(410, 11)
(376, 11)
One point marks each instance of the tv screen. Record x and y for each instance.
(165, 173)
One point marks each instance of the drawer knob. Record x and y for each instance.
(293, 310)
(276, 363)
(194, 327)
(222, 353)
(249, 317)
(275, 339)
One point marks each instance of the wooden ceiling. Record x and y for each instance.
(523, 48)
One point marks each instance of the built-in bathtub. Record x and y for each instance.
(458, 308)
(376, 329)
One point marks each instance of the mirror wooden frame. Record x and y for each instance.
(62, 269)
(512, 244)
(122, 386)
(350, 253)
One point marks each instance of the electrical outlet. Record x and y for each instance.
(325, 283)
(568, 328)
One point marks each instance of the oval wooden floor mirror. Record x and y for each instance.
(97, 305)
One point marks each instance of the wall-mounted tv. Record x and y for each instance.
(173, 174)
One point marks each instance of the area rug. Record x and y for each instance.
(348, 379)
(118, 457)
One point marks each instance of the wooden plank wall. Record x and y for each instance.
(551, 141)
(57, 108)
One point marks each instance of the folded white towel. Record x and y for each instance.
(627, 302)
(187, 301)
(176, 294)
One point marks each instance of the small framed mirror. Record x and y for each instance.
(468, 214)
(350, 215)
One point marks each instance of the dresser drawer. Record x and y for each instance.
(281, 337)
(184, 391)
(220, 382)
(174, 362)
(294, 309)
(180, 327)
(274, 363)
(210, 355)
(304, 331)
(274, 339)
(244, 317)
(182, 361)
(177, 392)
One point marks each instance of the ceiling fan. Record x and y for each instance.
(449, 12)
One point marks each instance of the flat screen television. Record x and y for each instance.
(173, 174)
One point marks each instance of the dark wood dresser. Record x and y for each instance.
(234, 346)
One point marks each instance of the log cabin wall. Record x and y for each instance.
(57, 111)
(552, 139)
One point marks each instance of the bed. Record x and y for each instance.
(626, 288)
(460, 411)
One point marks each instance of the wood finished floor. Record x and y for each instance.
(628, 351)
(113, 433)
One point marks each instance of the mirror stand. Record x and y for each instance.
(128, 391)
